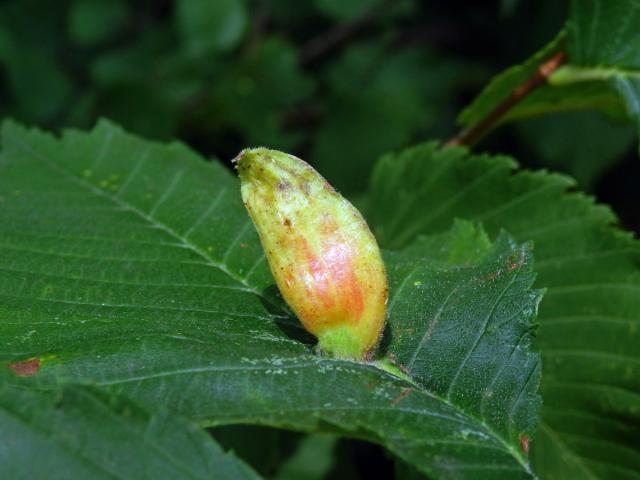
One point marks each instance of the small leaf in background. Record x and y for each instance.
(506, 82)
(145, 110)
(604, 43)
(211, 26)
(602, 69)
(92, 22)
(604, 33)
(380, 99)
(582, 144)
(145, 85)
(254, 94)
(40, 87)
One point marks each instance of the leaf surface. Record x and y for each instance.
(132, 266)
(209, 27)
(589, 323)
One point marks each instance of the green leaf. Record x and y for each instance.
(547, 98)
(254, 94)
(145, 85)
(489, 371)
(583, 144)
(81, 432)
(207, 26)
(589, 322)
(603, 48)
(602, 72)
(132, 266)
(506, 82)
(92, 22)
(604, 33)
(38, 85)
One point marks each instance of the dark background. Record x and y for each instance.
(336, 82)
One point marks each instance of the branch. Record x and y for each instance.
(471, 135)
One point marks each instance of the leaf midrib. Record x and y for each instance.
(572, 74)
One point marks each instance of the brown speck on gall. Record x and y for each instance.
(283, 186)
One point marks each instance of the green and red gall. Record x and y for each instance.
(325, 260)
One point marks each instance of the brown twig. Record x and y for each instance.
(338, 36)
(471, 135)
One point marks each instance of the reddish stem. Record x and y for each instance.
(471, 135)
